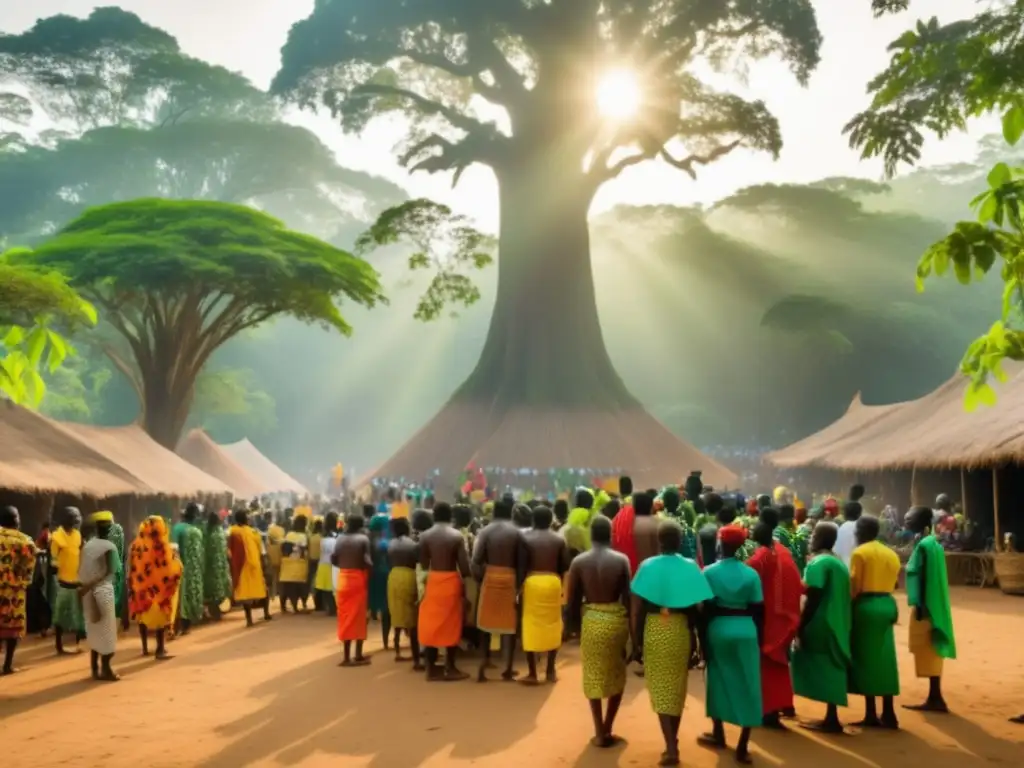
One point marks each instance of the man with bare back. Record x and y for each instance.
(353, 560)
(443, 557)
(495, 560)
(544, 559)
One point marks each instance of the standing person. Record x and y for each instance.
(495, 560)
(17, 564)
(354, 561)
(379, 528)
(874, 576)
(668, 591)
(153, 582)
(852, 510)
(65, 556)
(275, 534)
(462, 519)
(403, 554)
(931, 625)
(99, 570)
(117, 538)
(316, 538)
(707, 536)
(782, 590)
(544, 559)
(821, 661)
(245, 553)
(598, 598)
(443, 559)
(216, 571)
(192, 554)
(635, 531)
(576, 530)
(733, 642)
(293, 572)
(324, 584)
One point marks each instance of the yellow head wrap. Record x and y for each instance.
(101, 517)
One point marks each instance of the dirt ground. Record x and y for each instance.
(273, 696)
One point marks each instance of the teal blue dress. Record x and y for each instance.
(734, 658)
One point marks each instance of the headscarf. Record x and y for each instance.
(101, 517)
(733, 535)
(753, 509)
(155, 572)
(831, 508)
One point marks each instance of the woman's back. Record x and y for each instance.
(734, 584)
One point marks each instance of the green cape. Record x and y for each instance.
(927, 566)
(671, 581)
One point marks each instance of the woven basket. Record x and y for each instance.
(1010, 572)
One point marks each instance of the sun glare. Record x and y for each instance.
(618, 95)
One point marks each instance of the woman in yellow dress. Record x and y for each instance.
(153, 582)
(245, 553)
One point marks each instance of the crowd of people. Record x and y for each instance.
(769, 599)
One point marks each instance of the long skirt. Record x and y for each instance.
(402, 597)
(874, 670)
(776, 685)
(820, 672)
(440, 612)
(927, 663)
(667, 661)
(67, 611)
(496, 607)
(603, 637)
(378, 595)
(100, 611)
(351, 598)
(542, 613)
(733, 672)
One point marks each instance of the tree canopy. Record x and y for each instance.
(177, 279)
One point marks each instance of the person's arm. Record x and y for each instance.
(637, 616)
(921, 611)
(564, 561)
(814, 597)
(856, 574)
(463, 562)
(574, 599)
(524, 561)
(424, 555)
(367, 554)
(479, 555)
(693, 620)
(757, 611)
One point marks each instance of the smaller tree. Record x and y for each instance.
(177, 279)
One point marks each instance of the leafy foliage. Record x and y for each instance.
(231, 405)
(177, 279)
(27, 292)
(445, 243)
(539, 62)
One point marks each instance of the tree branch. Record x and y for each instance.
(129, 373)
(687, 163)
(429, 107)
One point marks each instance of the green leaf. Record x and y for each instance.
(35, 345)
(962, 270)
(999, 175)
(989, 209)
(1013, 124)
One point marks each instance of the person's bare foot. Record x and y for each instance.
(889, 723)
(454, 675)
(669, 758)
(868, 722)
(417, 667)
(109, 677)
(509, 675)
(9, 671)
(710, 741)
(938, 707)
(163, 656)
(1018, 720)
(823, 726)
(744, 758)
(529, 680)
(551, 678)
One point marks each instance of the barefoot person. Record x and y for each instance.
(445, 562)
(782, 590)
(931, 621)
(293, 571)
(216, 571)
(668, 591)
(65, 554)
(153, 579)
(324, 582)
(354, 561)
(544, 559)
(598, 598)
(403, 596)
(874, 575)
(734, 639)
(495, 559)
(821, 662)
(248, 579)
(17, 565)
(99, 570)
(189, 538)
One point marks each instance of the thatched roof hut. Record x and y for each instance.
(262, 468)
(197, 447)
(163, 471)
(39, 456)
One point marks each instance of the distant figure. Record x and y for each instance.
(216, 571)
(931, 626)
(324, 581)
(544, 559)
(707, 536)
(190, 546)
(17, 563)
(153, 580)
(100, 568)
(293, 574)
(353, 559)
(65, 554)
(245, 550)
(847, 540)
(576, 531)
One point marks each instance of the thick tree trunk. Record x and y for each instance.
(544, 347)
(165, 406)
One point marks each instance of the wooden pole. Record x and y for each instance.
(963, 492)
(995, 509)
(913, 485)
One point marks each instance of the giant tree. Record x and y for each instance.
(542, 63)
(176, 279)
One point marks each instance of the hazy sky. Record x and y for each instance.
(247, 35)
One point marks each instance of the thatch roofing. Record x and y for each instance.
(197, 448)
(934, 432)
(262, 468)
(533, 437)
(163, 471)
(38, 456)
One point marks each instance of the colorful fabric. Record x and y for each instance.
(65, 550)
(67, 610)
(100, 615)
(873, 669)
(926, 571)
(351, 601)
(874, 567)
(667, 661)
(782, 590)
(624, 536)
(496, 606)
(821, 663)
(295, 564)
(324, 581)
(576, 530)
(542, 613)
(275, 536)
(927, 661)
(154, 574)
(734, 659)
(670, 581)
(216, 571)
(17, 565)
(440, 614)
(604, 634)
(192, 553)
(402, 597)
(244, 551)
(116, 535)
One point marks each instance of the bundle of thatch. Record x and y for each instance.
(262, 468)
(197, 447)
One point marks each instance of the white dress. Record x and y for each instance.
(98, 604)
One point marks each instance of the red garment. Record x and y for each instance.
(782, 588)
(624, 538)
(236, 558)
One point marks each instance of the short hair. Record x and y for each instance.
(331, 522)
(561, 510)
(643, 504)
(462, 514)
(442, 512)
(762, 533)
(212, 520)
(422, 520)
(671, 499)
(918, 518)
(400, 527)
(192, 511)
(611, 509)
(522, 515)
(856, 492)
(241, 516)
(542, 517)
(9, 517)
(770, 517)
(670, 537)
(502, 509)
(601, 531)
(625, 486)
(867, 529)
(787, 512)
(299, 523)
(825, 534)
(713, 503)
(584, 498)
(852, 510)
(354, 523)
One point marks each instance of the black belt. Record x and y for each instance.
(874, 594)
(721, 611)
(68, 585)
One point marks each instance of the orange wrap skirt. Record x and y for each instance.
(441, 610)
(496, 611)
(352, 597)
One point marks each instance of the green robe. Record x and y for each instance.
(192, 557)
(216, 573)
(821, 663)
(926, 571)
(116, 537)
